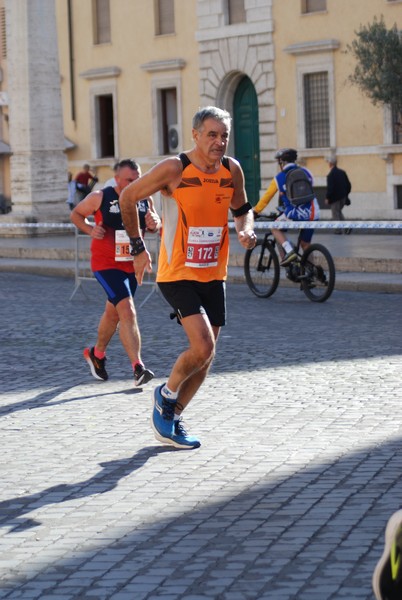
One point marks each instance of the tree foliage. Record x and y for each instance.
(378, 72)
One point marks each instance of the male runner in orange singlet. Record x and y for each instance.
(198, 188)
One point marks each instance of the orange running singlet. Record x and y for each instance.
(195, 236)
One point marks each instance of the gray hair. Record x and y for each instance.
(210, 112)
(130, 163)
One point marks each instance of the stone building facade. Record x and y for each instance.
(33, 111)
(131, 74)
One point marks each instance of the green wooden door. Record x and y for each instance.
(246, 137)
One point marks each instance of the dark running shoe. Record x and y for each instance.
(142, 375)
(293, 272)
(288, 258)
(387, 576)
(97, 365)
(320, 274)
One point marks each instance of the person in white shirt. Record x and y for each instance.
(112, 181)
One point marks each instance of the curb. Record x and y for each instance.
(346, 281)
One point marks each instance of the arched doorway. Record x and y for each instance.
(246, 136)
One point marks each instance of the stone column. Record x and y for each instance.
(38, 162)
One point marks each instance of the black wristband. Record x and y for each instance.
(137, 246)
(239, 212)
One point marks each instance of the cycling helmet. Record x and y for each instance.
(288, 155)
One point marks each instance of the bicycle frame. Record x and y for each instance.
(313, 268)
(269, 237)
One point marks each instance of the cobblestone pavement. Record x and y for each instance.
(288, 496)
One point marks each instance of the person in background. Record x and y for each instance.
(198, 188)
(72, 191)
(143, 205)
(113, 268)
(310, 211)
(338, 190)
(112, 181)
(85, 181)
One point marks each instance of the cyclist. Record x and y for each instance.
(309, 211)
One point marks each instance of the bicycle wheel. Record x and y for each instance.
(318, 272)
(261, 269)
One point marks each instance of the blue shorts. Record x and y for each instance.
(193, 297)
(303, 213)
(306, 235)
(117, 284)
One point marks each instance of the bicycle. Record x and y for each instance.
(314, 268)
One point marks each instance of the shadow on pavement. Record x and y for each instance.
(319, 528)
(267, 509)
(12, 510)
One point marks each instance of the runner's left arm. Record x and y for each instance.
(241, 209)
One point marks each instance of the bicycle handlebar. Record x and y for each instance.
(272, 216)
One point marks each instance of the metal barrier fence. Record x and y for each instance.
(374, 225)
(66, 226)
(259, 224)
(82, 270)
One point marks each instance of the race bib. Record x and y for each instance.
(203, 247)
(121, 246)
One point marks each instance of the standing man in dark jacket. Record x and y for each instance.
(338, 190)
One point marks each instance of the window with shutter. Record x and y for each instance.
(105, 125)
(236, 12)
(398, 196)
(164, 17)
(3, 38)
(101, 12)
(168, 124)
(310, 6)
(316, 109)
(396, 115)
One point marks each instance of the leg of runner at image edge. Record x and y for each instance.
(387, 576)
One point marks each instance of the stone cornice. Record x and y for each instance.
(229, 31)
(68, 144)
(4, 148)
(309, 47)
(387, 151)
(101, 73)
(172, 64)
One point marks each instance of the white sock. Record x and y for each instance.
(168, 393)
(287, 246)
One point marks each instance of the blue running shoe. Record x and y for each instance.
(181, 439)
(162, 416)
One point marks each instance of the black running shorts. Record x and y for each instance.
(192, 297)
